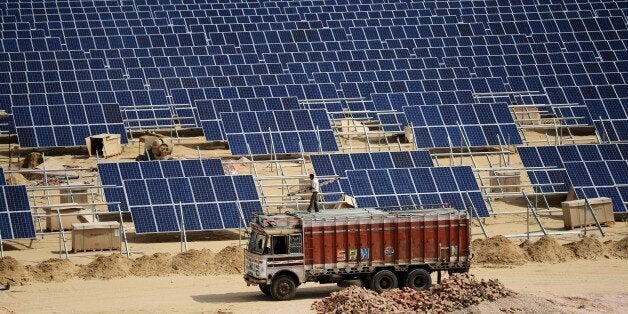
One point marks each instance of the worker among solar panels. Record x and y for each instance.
(314, 187)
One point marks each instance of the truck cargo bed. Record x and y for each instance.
(373, 238)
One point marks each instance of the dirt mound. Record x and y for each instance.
(194, 262)
(547, 250)
(106, 267)
(456, 292)
(619, 248)
(53, 270)
(587, 248)
(158, 264)
(497, 250)
(230, 261)
(12, 272)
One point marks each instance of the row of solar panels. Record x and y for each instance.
(16, 220)
(148, 112)
(159, 194)
(591, 170)
(163, 196)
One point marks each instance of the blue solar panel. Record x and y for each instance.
(116, 175)
(412, 187)
(462, 125)
(3, 181)
(545, 165)
(209, 111)
(278, 131)
(16, 220)
(202, 203)
(65, 125)
(551, 177)
(601, 179)
(339, 164)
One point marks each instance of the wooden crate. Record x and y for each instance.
(505, 178)
(574, 212)
(96, 236)
(106, 145)
(73, 195)
(52, 219)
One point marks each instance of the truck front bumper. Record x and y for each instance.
(254, 281)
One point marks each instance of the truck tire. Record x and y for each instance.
(283, 288)
(265, 289)
(418, 279)
(384, 280)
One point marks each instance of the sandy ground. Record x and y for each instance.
(591, 286)
(575, 286)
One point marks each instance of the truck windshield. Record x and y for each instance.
(257, 243)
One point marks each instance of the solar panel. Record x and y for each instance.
(462, 125)
(115, 175)
(209, 111)
(610, 117)
(3, 181)
(411, 187)
(339, 164)
(16, 220)
(66, 125)
(278, 131)
(202, 203)
(601, 179)
(612, 130)
(545, 165)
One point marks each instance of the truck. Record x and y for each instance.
(374, 248)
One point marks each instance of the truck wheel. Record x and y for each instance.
(265, 289)
(418, 279)
(283, 288)
(384, 280)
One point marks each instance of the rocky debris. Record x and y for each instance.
(12, 272)
(619, 248)
(454, 293)
(587, 248)
(356, 300)
(53, 270)
(547, 250)
(497, 250)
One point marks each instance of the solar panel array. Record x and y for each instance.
(69, 125)
(167, 195)
(279, 131)
(607, 178)
(201, 203)
(339, 164)
(209, 111)
(148, 65)
(462, 125)
(16, 220)
(553, 169)
(114, 176)
(411, 187)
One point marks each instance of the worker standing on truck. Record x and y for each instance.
(314, 187)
